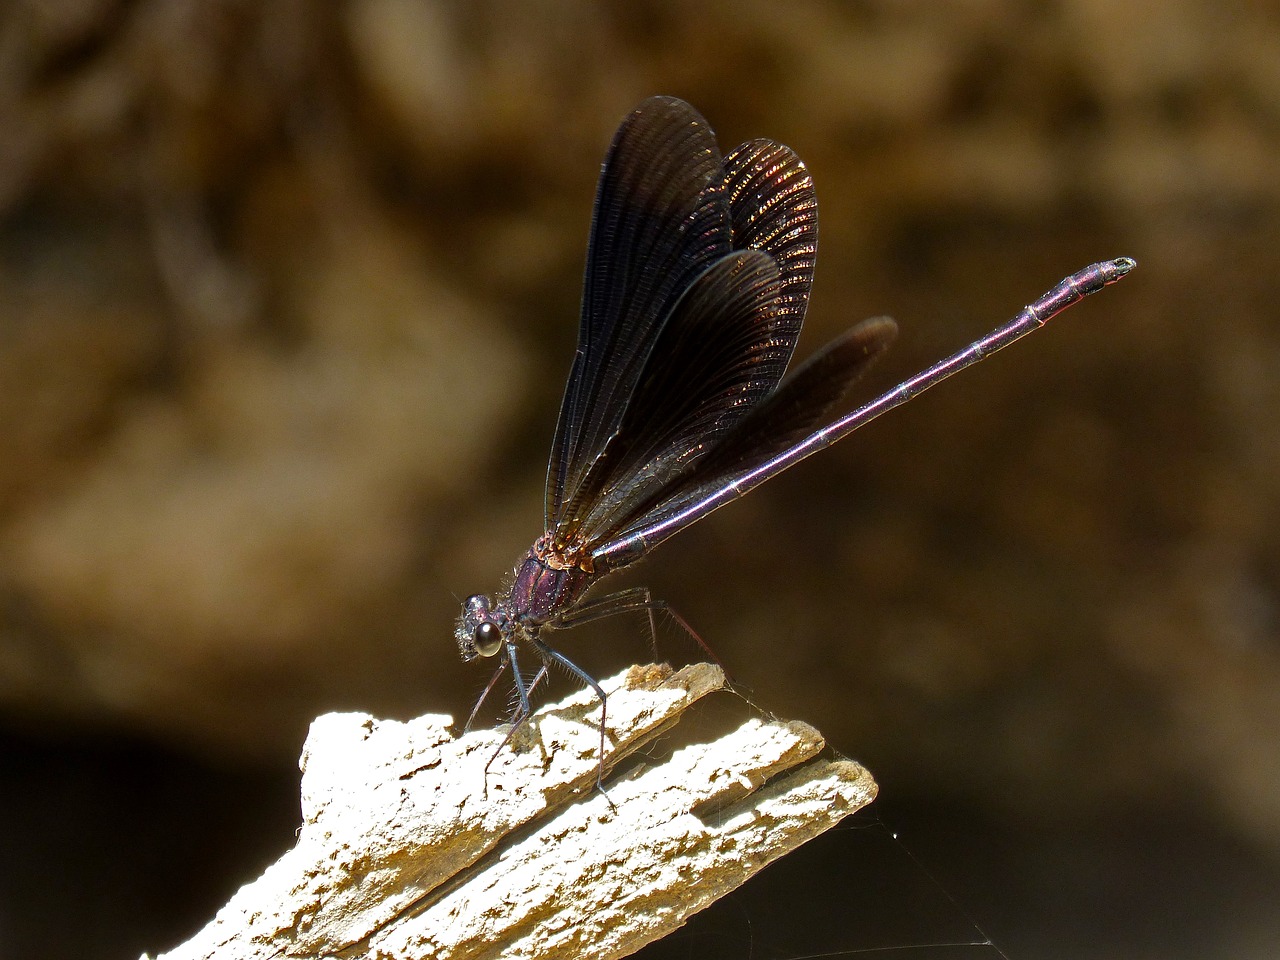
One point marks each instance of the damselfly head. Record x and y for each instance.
(480, 630)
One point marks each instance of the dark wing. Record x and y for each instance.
(802, 403)
(723, 350)
(796, 409)
(660, 220)
(714, 361)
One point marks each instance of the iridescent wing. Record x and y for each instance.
(773, 208)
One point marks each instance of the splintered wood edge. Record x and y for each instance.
(407, 850)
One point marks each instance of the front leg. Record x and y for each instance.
(555, 656)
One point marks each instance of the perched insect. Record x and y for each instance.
(697, 280)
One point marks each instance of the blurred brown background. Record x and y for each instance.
(288, 290)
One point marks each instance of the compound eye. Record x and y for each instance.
(488, 639)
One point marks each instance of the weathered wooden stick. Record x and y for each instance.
(407, 850)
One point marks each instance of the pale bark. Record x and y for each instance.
(408, 850)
